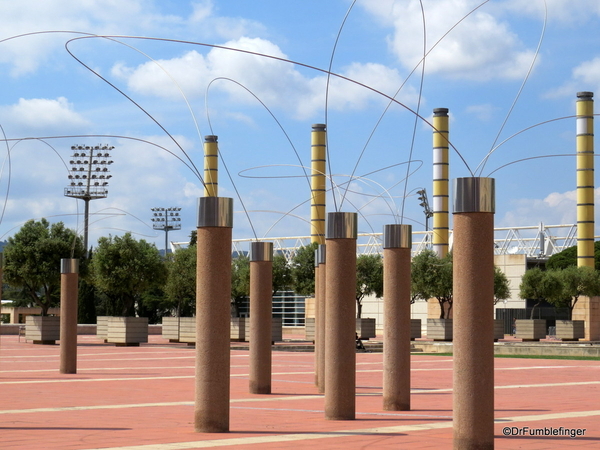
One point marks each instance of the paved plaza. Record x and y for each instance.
(141, 398)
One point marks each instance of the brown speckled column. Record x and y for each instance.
(213, 312)
(261, 299)
(320, 289)
(69, 283)
(340, 317)
(317, 337)
(397, 244)
(473, 278)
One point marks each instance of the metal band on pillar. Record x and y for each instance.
(69, 284)
(211, 166)
(585, 179)
(213, 297)
(441, 179)
(397, 245)
(261, 294)
(318, 183)
(321, 317)
(340, 317)
(473, 324)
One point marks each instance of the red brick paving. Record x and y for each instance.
(143, 397)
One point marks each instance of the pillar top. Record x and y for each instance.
(397, 236)
(474, 194)
(440, 111)
(319, 127)
(261, 251)
(69, 265)
(211, 138)
(215, 212)
(585, 95)
(342, 225)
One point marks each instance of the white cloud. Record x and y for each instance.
(38, 114)
(565, 11)
(584, 78)
(480, 48)
(555, 209)
(275, 82)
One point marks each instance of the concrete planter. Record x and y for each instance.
(309, 329)
(570, 330)
(42, 329)
(276, 329)
(439, 329)
(498, 329)
(238, 329)
(187, 330)
(532, 329)
(170, 328)
(415, 329)
(127, 331)
(365, 328)
(102, 327)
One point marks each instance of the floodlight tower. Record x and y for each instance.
(166, 219)
(89, 177)
(425, 205)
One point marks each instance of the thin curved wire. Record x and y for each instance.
(529, 159)
(414, 133)
(8, 149)
(481, 165)
(337, 38)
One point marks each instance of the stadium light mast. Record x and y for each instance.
(422, 193)
(166, 219)
(88, 178)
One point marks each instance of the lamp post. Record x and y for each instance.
(89, 177)
(425, 205)
(166, 219)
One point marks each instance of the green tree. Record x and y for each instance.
(32, 260)
(369, 279)
(568, 257)
(124, 268)
(240, 282)
(501, 286)
(282, 274)
(539, 285)
(576, 281)
(303, 270)
(180, 288)
(432, 278)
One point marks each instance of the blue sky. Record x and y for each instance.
(476, 69)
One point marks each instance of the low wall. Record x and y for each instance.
(521, 348)
(82, 328)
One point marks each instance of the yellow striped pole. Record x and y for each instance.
(211, 166)
(585, 179)
(317, 184)
(440, 182)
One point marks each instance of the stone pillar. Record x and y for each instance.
(318, 191)
(213, 312)
(211, 166)
(261, 299)
(397, 245)
(320, 320)
(69, 290)
(340, 317)
(473, 278)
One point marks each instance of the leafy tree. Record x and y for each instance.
(124, 268)
(568, 257)
(432, 278)
(193, 237)
(576, 281)
(303, 270)
(540, 285)
(282, 274)
(240, 282)
(501, 286)
(32, 260)
(181, 282)
(369, 279)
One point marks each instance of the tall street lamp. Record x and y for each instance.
(166, 219)
(88, 178)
